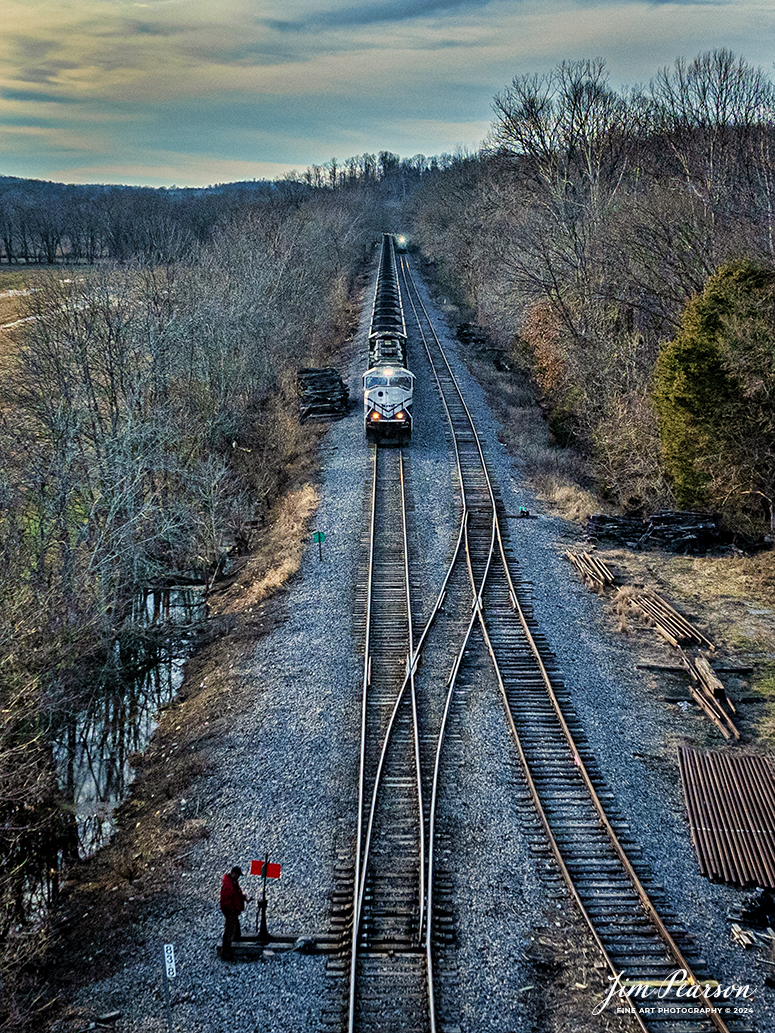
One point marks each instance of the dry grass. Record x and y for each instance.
(732, 600)
(764, 685)
(621, 603)
(735, 596)
(747, 577)
(557, 474)
(725, 592)
(276, 558)
(11, 305)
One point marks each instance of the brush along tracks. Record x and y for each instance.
(639, 939)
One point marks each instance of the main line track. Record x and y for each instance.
(639, 939)
(389, 880)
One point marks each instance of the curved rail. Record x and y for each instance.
(365, 840)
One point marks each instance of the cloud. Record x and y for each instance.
(174, 87)
(37, 97)
(370, 14)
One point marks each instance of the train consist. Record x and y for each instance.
(388, 385)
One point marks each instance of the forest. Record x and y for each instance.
(614, 247)
(618, 246)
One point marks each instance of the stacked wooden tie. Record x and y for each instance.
(706, 689)
(322, 394)
(591, 568)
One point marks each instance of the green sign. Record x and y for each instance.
(319, 537)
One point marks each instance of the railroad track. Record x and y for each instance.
(395, 905)
(639, 939)
(380, 979)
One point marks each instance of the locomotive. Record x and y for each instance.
(388, 385)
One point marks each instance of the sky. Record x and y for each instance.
(197, 92)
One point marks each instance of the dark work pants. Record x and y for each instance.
(231, 931)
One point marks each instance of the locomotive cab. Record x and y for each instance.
(387, 403)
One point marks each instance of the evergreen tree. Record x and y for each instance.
(714, 392)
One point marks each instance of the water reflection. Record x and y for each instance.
(94, 744)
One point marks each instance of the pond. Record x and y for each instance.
(94, 746)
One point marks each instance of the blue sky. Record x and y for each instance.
(196, 92)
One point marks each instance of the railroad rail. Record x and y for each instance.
(401, 909)
(389, 888)
(396, 880)
(639, 939)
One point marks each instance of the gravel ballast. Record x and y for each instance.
(282, 781)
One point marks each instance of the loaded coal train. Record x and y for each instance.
(388, 384)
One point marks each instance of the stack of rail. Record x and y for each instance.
(731, 805)
(592, 569)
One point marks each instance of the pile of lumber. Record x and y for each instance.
(710, 695)
(592, 569)
(706, 688)
(675, 531)
(669, 623)
(322, 394)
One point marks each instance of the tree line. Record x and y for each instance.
(582, 238)
(50, 223)
(44, 223)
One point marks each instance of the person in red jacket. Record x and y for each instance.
(232, 906)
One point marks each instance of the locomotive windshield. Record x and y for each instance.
(375, 380)
(383, 378)
(401, 380)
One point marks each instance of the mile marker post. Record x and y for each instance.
(169, 973)
(319, 537)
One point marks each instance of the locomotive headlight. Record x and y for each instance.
(373, 415)
(400, 415)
